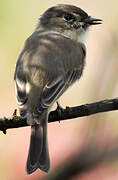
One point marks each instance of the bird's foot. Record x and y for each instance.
(59, 109)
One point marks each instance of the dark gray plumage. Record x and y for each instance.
(52, 59)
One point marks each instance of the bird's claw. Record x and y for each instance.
(59, 109)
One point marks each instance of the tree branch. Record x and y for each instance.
(67, 113)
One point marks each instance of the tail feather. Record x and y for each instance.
(44, 163)
(38, 156)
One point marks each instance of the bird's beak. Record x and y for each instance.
(92, 21)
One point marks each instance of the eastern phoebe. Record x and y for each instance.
(52, 59)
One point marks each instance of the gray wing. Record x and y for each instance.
(55, 88)
(20, 88)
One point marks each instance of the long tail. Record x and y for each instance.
(38, 156)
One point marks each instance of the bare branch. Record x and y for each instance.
(67, 113)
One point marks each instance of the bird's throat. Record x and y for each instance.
(79, 36)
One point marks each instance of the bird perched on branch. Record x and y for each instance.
(52, 59)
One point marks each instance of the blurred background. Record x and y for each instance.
(17, 21)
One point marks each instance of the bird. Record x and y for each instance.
(51, 60)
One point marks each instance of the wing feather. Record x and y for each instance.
(55, 88)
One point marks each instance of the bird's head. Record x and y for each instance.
(67, 19)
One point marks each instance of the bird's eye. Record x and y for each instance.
(69, 17)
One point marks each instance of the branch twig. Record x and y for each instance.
(67, 113)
